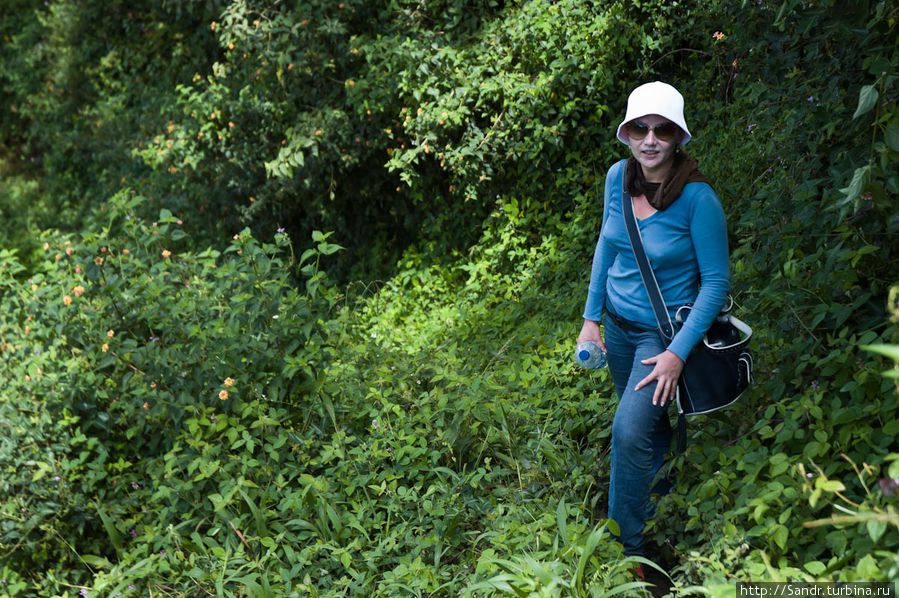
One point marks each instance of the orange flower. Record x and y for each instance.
(69, 251)
(105, 347)
(78, 290)
(146, 405)
(67, 300)
(718, 36)
(166, 254)
(98, 260)
(153, 385)
(223, 395)
(229, 381)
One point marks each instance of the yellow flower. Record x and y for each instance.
(125, 252)
(105, 347)
(146, 405)
(110, 333)
(166, 254)
(78, 291)
(229, 381)
(67, 300)
(98, 260)
(223, 395)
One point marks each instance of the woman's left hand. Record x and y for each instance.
(667, 372)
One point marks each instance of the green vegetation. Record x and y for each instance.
(204, 394)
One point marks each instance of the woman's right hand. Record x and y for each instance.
(590, 332)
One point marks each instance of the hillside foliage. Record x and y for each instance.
(290, 292)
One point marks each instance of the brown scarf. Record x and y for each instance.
(684, 170)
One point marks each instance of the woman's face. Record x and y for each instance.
(653, 154)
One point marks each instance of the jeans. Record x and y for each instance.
(641, 433)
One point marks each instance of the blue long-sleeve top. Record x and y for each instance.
(686, 245)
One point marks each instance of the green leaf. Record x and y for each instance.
(780, 536)
(893, 472)
(561, 521)
(857, 185)
(42, 470)
(891, 351)
(98, 562)
(815, 567)
(111, 530)
(867, 98)
(876, 529)
(829, 485)
(892, 136)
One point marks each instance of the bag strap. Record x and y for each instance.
(663, 319)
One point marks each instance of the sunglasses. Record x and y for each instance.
(637, 130)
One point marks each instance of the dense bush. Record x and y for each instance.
(190, 408)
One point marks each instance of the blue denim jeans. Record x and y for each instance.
(641, 433)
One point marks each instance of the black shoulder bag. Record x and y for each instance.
(719, 368)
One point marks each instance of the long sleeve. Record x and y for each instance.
(708, 233)
(603, 255)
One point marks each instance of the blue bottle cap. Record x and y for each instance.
(584, 355)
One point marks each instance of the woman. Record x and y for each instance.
(685, 237)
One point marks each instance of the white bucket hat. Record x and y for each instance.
(655, 98)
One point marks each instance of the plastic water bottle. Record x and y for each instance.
(588, 355)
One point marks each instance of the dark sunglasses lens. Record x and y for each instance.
(666, 131)
(637, 131)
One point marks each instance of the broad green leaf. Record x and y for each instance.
(780, 536)
(867, 98)
(815, 567)
(857, 185)
(876, 529)
(892, 136)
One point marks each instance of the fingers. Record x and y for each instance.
(663, 393)
(665, 378)
(646, 380)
